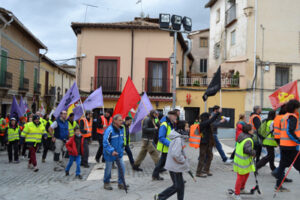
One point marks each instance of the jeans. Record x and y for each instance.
(129, 154)
(177, 187)
(160, 165)
(220, 148)
(107, 172)
(71, 160)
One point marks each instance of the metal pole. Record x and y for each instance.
(205, 106)
(254, 52)
(262, 68)
(174, 70)
(221, 97)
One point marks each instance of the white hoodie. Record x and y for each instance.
(176, 159)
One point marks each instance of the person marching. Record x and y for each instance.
(243, 160)
(75, 150)
(12, 136)
(176, 162)
(149, 129)
(164, 143)
(255, 122)
(238, 131)
(126, 125)
(2, 134)
(33, 133)
(269, 142)
(102, 123)
(72, 125)
(289, 141)
(48, 144)
(85, 125)
(60, 127)
(113, 146)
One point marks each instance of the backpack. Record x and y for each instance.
(262, 131)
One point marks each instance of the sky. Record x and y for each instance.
(50, 20)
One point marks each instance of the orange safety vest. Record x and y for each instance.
(105, 125)
(195, 136)
(3, 129)
(87, 127)
(251, 120)
(285, 140)
(277, 126)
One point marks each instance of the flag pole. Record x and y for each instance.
(221, 97)
(83, 113)
(205, 106)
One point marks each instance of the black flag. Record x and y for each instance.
(214, 86)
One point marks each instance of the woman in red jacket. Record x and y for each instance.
(75, 150)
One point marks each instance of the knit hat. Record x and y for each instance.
(35, 117)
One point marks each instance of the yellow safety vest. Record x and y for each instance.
(48, 134)
(269, 140)
(160, 146)
(125, 134)
(13, 134)
(71, 128)
(33, 133)
(243, 163)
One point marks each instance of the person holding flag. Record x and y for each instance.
(85, 125)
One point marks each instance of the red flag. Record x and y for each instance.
(284, 94)
(128, 99)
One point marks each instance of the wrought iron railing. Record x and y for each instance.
(230, 14)
(204, 82)
(108, 84)
(6, 79)
(24, 85)
(157, 85)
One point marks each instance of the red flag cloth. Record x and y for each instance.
(284, 94)
(128, 99)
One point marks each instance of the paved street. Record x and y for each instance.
(17, 182)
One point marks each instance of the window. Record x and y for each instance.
(22, 66)
(3, 60)
(233, 37)
(203, 65)
(227, 112)
(218, 16)
(107, 75)
(282, 76)
(35, 81)
(157, 73)
(203, 42)
(217, 50)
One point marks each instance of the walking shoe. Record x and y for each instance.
(236, 197)
(10, 161)
(208, 173)
(17, 162)
(67, 173)
(244, 191)
(121, 186)
(136, 168)
(43, 160)
(287, 180)
(156, 197)
(282, 189)
(202, 175)
(228, 161)
(35, 169)
(78, 177)
(97, 160)
(86, 166)
(107, 186)
(30, 166)
(58, 169)
(159, 178)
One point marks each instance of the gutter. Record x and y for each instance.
(254, 56)
(189, 48)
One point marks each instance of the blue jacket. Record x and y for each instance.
(163, 119)
(162, 133)
(62, 130)
(113, 140)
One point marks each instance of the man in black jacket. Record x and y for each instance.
(149, 130)
(207, 142)
(255, 122)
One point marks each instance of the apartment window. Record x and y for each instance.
(203, 42)
(203, 65)
(282, 76)
(22, 69)
(107, 76)
(3, 60)
(157, 76)
(218, 16)
(217, 50)
(232, 37)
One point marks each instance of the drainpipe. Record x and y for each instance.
(262, 67)
(254, 56)
(132, 52)
(39, 72)
(184, 58)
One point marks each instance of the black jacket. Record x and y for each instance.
(256, 121)
(148, 130)
(206, 129)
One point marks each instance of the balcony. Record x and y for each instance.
(24, 85)
(49, 92)
(37, 88)
(110, 85)
(204, 82)
(230, 15)
(6, 80)
(157, 86)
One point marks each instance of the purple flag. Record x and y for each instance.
(70, 97)
(78, 112)
(95, 100)
(143, 110)
(15, 110)
(22, 106)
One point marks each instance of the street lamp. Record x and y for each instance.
(176, 22)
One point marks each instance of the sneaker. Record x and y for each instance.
(208, 173)
(107, 186)
(136, 168)
(202, 175)
(228, 161)
(287, 180)
(282, 189)
(78, 177)
(17, 162)
(30, 166)
(121, 186)
(244, 191)
(67, 173)
(159, 178)
(236, 197)
(58, 169)
(43, 160)
(35, 169)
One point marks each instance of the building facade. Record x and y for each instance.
(112, 52)
(19, 60)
